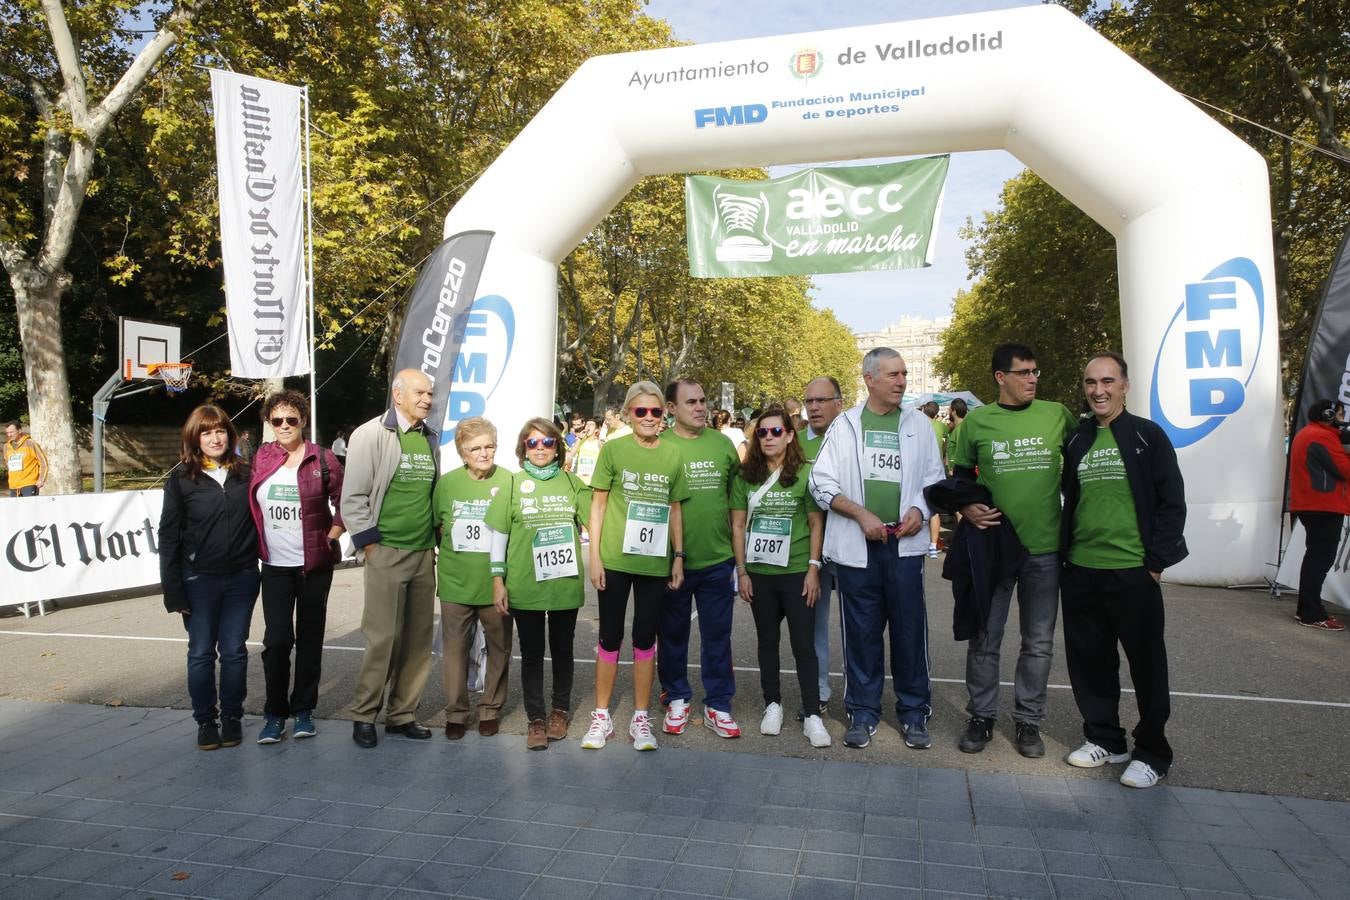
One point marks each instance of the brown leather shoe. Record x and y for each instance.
(536, 738)
(558, 721)
(454, 730)
(488, 727)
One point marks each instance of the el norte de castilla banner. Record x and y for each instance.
(815, 221)
(261, 224)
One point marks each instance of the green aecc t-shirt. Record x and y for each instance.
(1105, 528)
(779, 515)
(405, 515)
(642, 483)
(1019, 456)
(461, 505)
(881, 464)
(710, 462)
(542, 522)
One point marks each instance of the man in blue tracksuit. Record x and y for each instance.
(870, 474)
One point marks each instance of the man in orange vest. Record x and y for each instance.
(25, 462)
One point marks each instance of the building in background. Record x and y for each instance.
(918, 341)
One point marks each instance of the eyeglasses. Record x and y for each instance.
(278, 421)
(808, 401)
(1023, 373)
(545, 442)
(775, 430)
(644, 412)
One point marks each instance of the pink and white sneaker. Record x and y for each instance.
(601, 729)
(677, 717)
(720, 723)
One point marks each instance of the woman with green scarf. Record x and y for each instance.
(537, 576)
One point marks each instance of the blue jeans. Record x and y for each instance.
(1037, 584)
(823, 629)
(222, 608)
(888, 593)
(710, 590)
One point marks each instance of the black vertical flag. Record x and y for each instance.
(1326, 368)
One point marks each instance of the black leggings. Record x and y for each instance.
(779, 597)
(648, 591)
(1322, 533)
(562, 625)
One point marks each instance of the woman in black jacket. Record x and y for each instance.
(208, 563)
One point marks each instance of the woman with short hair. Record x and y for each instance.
(295, 488)
(537, 573)
(208, 566)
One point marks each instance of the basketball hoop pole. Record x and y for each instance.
(101, 400)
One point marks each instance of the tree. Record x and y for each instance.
(37, 226)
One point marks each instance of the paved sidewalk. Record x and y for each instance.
(111, 802)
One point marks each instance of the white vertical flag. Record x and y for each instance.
(261, 224)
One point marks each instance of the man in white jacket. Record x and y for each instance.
(870, 474)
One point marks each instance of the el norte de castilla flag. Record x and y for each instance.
(815, 221)
(261, 224)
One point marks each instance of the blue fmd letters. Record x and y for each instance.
(1213, 396)
(722, 116)
(471, 368)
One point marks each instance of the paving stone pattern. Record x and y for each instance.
(100, 802)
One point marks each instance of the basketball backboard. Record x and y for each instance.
(143, 344)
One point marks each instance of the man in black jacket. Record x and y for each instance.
(1124, 512)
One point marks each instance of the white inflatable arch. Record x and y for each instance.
(1187, 202)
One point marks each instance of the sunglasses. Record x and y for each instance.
(545, 442)
(643, 412)
(775, 430)
(278, 421)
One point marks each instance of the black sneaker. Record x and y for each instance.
(979, 732)
(231, 732)
(208, 736)
(1028, 741)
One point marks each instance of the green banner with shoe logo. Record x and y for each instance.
(815, 221)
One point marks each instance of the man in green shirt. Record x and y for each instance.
(823, 401)
(710, 464)
(1124, 516)
(1015, 446)
(386, 496)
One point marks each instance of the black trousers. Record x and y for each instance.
(779, 597)
(648, 592)
(1103, 608)
(562, 626)
(295, 611)
(1323, 533)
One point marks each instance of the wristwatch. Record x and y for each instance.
(680, 554)
(814, 562)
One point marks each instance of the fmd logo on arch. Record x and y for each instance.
(484, 351)
(1209, 352)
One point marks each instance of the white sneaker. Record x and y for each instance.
(720, 723)
(772, 723)
(815, 732)
(1139, 774)
(600, 730)
(640, 730)
(1090, 756)
(677, 717)
(932, 551)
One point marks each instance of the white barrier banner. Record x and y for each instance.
(75, 544)
(261, 224)
(1336, 589)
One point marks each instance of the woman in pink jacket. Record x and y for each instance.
(294, 491)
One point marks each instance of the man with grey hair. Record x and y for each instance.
(386, 499)
(870, 474)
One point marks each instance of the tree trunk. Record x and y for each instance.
(38, 299)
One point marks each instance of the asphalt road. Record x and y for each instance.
(1259, 704)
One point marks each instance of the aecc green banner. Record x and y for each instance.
(816, 221)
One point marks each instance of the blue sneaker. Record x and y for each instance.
(273, 730)
(916, 735)
(304, 725)
(859, 735)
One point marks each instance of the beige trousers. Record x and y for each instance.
(397, 624)
(457, 621)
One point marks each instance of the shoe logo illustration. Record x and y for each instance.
(630, 481)
(1000, 449)
(741, 219)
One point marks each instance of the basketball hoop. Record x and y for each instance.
(174, 375)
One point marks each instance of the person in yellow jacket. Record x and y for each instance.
(25, 462)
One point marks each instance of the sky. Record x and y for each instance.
(868, 301)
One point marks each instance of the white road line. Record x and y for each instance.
(1329, 704)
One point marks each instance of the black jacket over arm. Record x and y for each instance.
(206, 527)
(1155, 484)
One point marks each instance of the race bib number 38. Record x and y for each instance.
(469, 535)
(881, 456)
(769, 541)
(647, 528)
(555, 553)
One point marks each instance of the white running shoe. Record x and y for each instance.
(1090, 756)
(772, 723)
(600, 730)
(720, 723)
(1139, 774)
(932, 551)
(677, 717)
(640, 730)
(815, 732)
